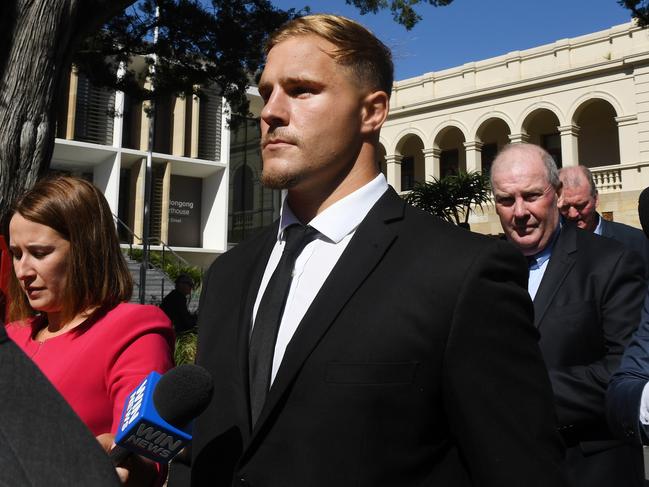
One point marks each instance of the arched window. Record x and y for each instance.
(411, 148)
(599, 143)
(243, 188)
(542, 127)
(452, 158)
(493, 134)
(407, 173)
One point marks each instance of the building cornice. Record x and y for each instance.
(508, 88)
(621, 48)
(552, 49)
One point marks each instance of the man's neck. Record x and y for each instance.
(307, 202)
(547, 249)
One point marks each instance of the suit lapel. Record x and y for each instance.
(559, 266)
(606, 228)
(366, 249)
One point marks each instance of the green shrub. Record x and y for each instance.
(170, 265)
(185, 352)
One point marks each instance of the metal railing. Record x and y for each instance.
(165, 252)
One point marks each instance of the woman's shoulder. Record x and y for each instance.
(127, 323)
(17, 330)
(20, 328)
(133, 315)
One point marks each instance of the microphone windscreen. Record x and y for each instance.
(182, 394)
(643, 210)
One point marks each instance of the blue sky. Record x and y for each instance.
(471, 30)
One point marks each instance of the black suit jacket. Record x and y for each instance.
(417, 364)
(586, 309)
(174, 305)
(632, 238)
(42, 441)
(625, 390)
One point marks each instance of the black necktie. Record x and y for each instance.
(269, 315)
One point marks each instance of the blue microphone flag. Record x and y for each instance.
(142, 430)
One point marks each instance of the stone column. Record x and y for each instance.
(431, 163)
(72, 103)
(627, 131)
(195, 111)
(178, 128)
(393, 165)
(145, 121)
(569, 145)
(118, 119)
(518, 138)
(164, 212)
(136, 208)
(473, 151)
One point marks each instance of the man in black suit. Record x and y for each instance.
(578, 203)
(42, 441)
(587, 294)
(628, 392)
(174, 305)
(405, 354)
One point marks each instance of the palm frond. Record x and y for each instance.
(452, 197)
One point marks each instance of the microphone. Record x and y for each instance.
(157, 417)
(643, 210)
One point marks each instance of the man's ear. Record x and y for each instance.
(559, 195)
(374, 112)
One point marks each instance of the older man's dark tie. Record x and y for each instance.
(269, 315)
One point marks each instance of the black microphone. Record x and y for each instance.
(157, 416)
(643, 210)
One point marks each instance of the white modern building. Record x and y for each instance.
(103, 136)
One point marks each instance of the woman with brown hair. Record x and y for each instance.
(68, 296)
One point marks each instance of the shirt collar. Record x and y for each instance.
(343, 216)
(598, 228)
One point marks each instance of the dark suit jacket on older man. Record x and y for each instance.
(632, 238)
(586, 309)
(416, 364)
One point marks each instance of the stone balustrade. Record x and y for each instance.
(608, 178)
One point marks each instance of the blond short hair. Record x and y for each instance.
(356, 47)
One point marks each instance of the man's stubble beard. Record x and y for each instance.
(278, 181)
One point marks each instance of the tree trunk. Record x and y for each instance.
(41, 37)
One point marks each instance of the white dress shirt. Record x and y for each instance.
(537, 269)
(598, 228)
(644, 407)
(336, 226)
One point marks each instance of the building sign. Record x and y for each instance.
(185, 211)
